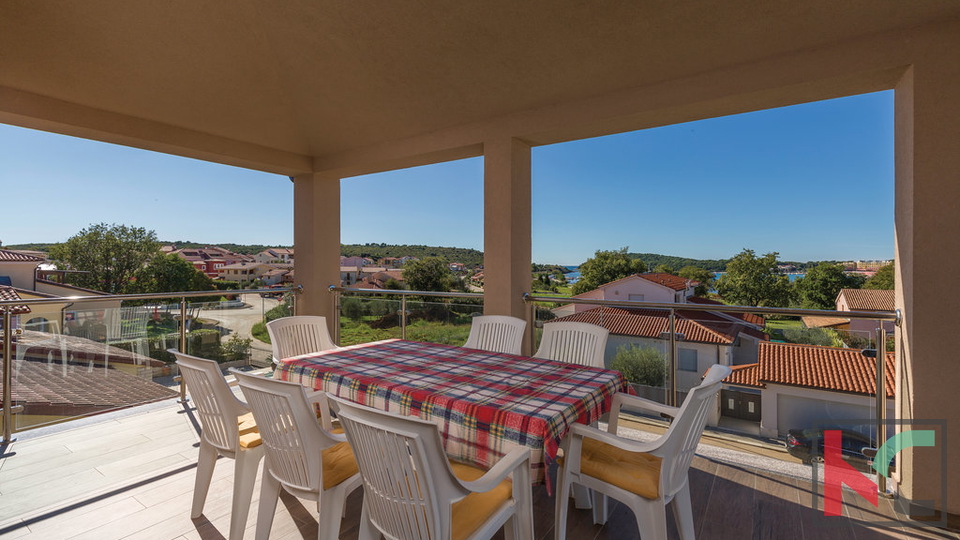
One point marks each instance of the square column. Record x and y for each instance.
(316, 238)
(506, 226)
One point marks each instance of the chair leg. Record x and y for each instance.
(244, 477)
(600, 508)
(367, 530)
(683, 513)
(563, 494)
(651, 518)
(269, 495)
(522, 522)
(205, 463)
(581, 497)
(331, 503)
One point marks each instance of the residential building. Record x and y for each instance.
(243, 272)
(18, 269)
(210, 260)
(378, 280)
(795, 386)
(866, 300)
(275, 255)
(647, 287)
(355, 261)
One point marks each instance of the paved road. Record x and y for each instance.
(240, 321)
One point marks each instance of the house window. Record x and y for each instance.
(635, 298)
(687, 359)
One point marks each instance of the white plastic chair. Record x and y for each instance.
(303, 457)
(301, 334)
(496, 333)
(224, 419)
(643, 475)
(574, 343)
(412, 491)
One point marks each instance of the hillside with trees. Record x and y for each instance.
(467, 256)
(654, 260)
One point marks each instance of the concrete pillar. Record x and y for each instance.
(927, 227)
(506, 226)
(316, 238)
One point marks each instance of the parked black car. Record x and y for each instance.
(800, 444)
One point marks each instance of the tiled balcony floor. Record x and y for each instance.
(132, 477)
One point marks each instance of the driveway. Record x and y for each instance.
(240, 321)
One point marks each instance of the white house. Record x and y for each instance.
(275, 255)
(866, 300)
(647, 287)
(18, 269)
(796, 386)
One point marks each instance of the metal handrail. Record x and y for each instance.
(402, 293)
(6, 307)
(871, 315)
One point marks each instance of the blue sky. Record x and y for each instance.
(813, 182)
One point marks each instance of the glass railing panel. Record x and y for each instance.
(365, 318)
(85, 358)
(439, 321)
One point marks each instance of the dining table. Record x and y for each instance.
(484, 403)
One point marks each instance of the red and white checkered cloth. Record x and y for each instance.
(485, 403)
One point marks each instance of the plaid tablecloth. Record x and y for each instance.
(485, 403)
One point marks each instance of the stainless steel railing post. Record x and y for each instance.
(672, 398)
(336, 315)
(7, 376)
(403, 317)
(183, 344)
(881, 401)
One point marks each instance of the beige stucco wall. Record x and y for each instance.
(21, 273)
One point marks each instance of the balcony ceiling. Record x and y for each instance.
(313, 78)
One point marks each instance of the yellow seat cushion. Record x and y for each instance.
(469, 513)
(339, 463)
(636, 472)
(246, 424)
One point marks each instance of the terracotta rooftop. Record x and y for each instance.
(652, 323)
(813, 366)
(676, 283)
(823, 322)
(868, 299)
(751, 318)
(7, 255)
(71, 389)
(8, 293)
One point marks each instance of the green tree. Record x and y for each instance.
(701, 275)
(606, 266)
(755, 281)
(819, 288)
(170, 273)
(664, 269)
(640, 365)
(884, 278)
(428, 274)
(108, 255)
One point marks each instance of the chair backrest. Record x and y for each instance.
(681, 439)
(301, 334)
(407, 481)
(574, 343)
(216, 405)
(496, 333)
(292, 437)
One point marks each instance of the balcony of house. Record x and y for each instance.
(102, 445)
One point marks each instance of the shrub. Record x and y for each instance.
(640, 365)
(236, 348)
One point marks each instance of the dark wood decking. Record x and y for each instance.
(133, 478)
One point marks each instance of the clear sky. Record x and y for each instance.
(813, 182)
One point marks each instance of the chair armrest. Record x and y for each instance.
(319, 397)
(587, 432)
(621, 399)
(518, 457)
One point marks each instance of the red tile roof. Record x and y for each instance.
(869, 299)
(812, 366)
(7, 255)
(751, 318)
(676, 283)
(8, 293)
(651, 323)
